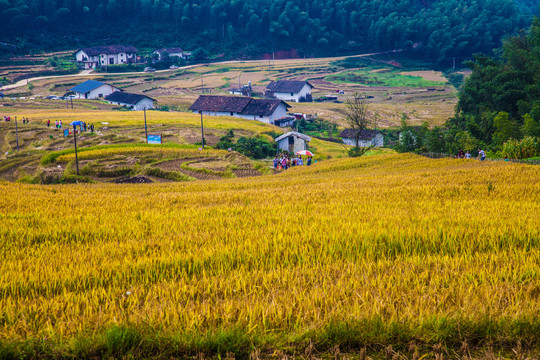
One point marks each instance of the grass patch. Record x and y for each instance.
(168, 175)
(386, 77)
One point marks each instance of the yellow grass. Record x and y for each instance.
(398, 237)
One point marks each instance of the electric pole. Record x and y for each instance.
(75, 140)
(202, 130)
(145, 128)
(17, 133)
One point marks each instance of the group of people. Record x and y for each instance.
(467, 155)
(283, 162)
(24, 120)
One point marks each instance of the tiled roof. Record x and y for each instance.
(87, 86)
(293, 133)
(262, 107)
(287, 86)
(364, 135)
(126, 98)
(111, 49)
(239, 104)
(170, 50)
(220, 103)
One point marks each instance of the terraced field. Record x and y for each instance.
(390, 256)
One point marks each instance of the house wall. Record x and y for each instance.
(103, 59)
(280, 112)
(177, 54)
(295, 96)
(299, 144)
(104, 90)
(377, 141)
(144, 104)
(141, 105)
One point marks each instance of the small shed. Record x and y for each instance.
(293, 142)
(367, 138)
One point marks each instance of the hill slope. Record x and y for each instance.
(395, 250)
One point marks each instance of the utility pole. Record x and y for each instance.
(202, 85)
(67, 104)
(75, 139)
(71, 103)
(202, 130)
(145, 128)
(454, 64)
(17, 133)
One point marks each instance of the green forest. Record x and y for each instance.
(427, 29)
(498, 108)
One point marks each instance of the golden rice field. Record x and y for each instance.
(389, 256)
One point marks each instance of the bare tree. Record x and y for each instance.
(358, 117)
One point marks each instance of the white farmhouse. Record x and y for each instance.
(286, 90)
(293, 142)
(131, 101)
(93, 57)
(367, 138)
(177, 52)
(264, 110)
(91, 89)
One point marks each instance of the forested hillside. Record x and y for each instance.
(501, 99)
(432, 29)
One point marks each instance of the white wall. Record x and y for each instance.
(104, 90)
(299, 144)
(377, 141)
(141, 105)
(295, 96)
(103, 59)
(144, 104)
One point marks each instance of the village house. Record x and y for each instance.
(264, 110)
(131, 101)
(287, 90)
(367, 138)
(92, 89)
(97, 56)
(293, 142)
(173, 52)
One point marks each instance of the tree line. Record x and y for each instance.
(498, 107)
(427, 28)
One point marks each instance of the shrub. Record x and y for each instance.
(521, 149)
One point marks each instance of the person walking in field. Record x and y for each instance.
(92, 127)
(467, 155)
(284, 163)
(309, 161)
(275, 162)
(481, 154)
(460, 154)
(48, 122)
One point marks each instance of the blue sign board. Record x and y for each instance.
(154, 139)
(66, 132)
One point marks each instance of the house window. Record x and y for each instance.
(292, 94)
(260, 116)
(100, 95)
(232, 114)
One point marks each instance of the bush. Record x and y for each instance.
(521, 149)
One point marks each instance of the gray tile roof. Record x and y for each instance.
(111, 49)
(293, 133)
(126, 98)
(287, 86)
(238, 104)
